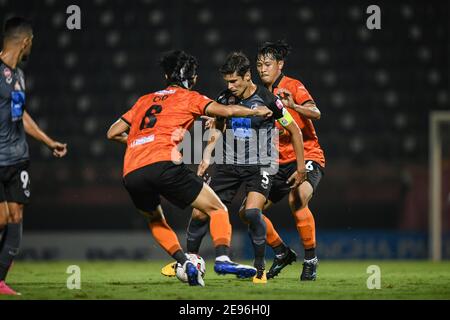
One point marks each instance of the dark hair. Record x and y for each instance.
(279, 50)
(235, 62)
(180, 68)
(16, 26)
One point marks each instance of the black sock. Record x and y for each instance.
(280, 249)
(257, 230)
(11, 239)
(195, 233)
(222, 250)
(180, 257)
(2, 236)
(310, 253)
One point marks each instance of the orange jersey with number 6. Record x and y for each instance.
(157, 123)
(312, 148)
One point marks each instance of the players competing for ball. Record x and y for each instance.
(252, 167)
(153, 167)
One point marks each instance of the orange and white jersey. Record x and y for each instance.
(157, 123)
(312, 149)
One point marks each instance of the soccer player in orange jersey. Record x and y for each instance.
(152, 164)
(270, 62)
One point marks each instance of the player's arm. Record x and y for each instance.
(216, 109)
(59, 149)
(297, 141)
(214, 135)
(118, 131)
(308, 109)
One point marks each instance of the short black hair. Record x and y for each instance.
(16, 26)
(180, 68)
(278, 50)
(235, 62)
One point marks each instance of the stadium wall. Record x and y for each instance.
(354, 244)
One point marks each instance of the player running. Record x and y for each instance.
(15, 123)
(153, 167)
(271, 58)
(250, 166)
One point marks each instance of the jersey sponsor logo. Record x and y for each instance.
(242, 127)
(143, 140)
(17, 104)
(231, 100)
(163, 92)
(8, 75)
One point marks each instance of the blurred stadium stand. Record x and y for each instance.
(374, 89)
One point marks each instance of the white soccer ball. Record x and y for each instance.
(198, 261)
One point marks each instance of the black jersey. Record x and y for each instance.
(13, 144)
(250, 140)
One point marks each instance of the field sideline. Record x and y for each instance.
(142, 280)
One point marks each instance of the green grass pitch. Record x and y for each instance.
(142, 280)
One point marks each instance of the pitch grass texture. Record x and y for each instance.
(142, 280)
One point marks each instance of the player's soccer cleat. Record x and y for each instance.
(309, 269)
(194, 277)
(280, 262)
(169, 270)
(230, 267)
(260, 277)
(6, 290)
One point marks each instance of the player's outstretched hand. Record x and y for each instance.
(286, 97)
(202, 167)
(59, 149)
(209, 121)
(263, 111)
(297, 178)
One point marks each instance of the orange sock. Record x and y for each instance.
(220, 227)
(306, 227)
(272, 237)
(165, 236)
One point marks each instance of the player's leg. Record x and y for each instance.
(304, 220)
(225, 184)
(11, 240)
(168, 240)
(183, 187)
(197, 228)
(198, 225)
(140, 185)
(273, 239)
(253, 217)
(220, 228)
(16, 191)
(298, 200)
(284, 255)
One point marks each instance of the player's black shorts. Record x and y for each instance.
(175, 182)
(15, 184)
(279, 186)
(228, 178)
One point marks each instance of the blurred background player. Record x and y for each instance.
(153, 167)
(270, 61)
(252, 167)
(14, 154)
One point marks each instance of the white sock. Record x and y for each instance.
(311, 260)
